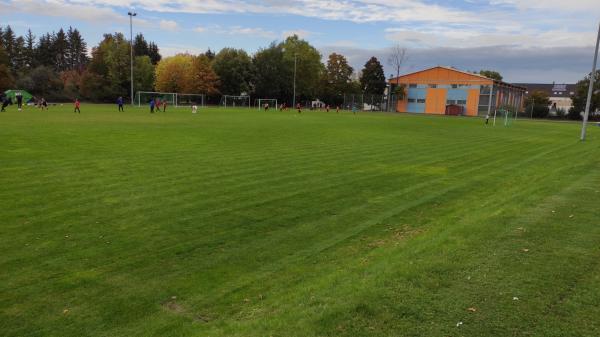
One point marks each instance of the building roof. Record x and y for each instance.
(552, 89)
(496, 82)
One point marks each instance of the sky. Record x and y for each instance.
(541, 41)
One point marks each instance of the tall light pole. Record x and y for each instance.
(295, 63)
(590, 89)
(131, 15)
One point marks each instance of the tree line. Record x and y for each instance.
(59, 66)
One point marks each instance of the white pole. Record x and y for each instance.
(495, 112)
(131, 15)
(490, 102)
(295, 63)
(590, 89)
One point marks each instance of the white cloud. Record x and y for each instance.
(251, 31)
(200, 29)
(169, 25)
(303, 34)
(466, 38)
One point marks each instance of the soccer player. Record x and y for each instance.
(194, 108)
(43, 104)
(5, 102)
(157, 104)
(299, 107)
(487, 119)
(120, 103)
(327, 107)
(19, 97)
(77, 106)
(266, 106)
(164, 105)
(152, 102)
(337, 109)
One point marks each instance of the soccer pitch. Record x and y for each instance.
(253, 223)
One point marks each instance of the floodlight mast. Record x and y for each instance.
(131, 15)
(295, 62)
(590, 89)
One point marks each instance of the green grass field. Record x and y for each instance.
(246, 223)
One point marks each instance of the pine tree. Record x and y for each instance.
(153, 52)
(8, 42)
(30, 50)
(77, 50)
(61, 48)
(372, 79)
(44, 52)
(140, 46)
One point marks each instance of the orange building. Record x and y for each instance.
(441, 89)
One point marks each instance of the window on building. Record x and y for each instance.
(461, 101)
(411, 100)
(421, 100)
(454, 86)
(412, 85)
(433, 85)
(450, 101)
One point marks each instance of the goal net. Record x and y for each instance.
(144, 97)
(187, 100)
(228, 101)
(260, 103)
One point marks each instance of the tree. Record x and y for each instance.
(173, 73)
(337, 78)
(140, 46)
(154, 53)
(235, 71)
(29, 55)
(8, 42)
(396, 59)
(537, 104)
(144, 73)
(272, 79)
(203, 77)
(185, 73)
(42, 81)
(210, 54)
(77, 50)
(372, 79)
(580, 97)
(6, 78)
(309, 68)
(44, 53)
(60, 47)
(110, 62)
(491, 74)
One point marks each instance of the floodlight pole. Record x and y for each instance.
(590, 89)
(131, 15)
(295, 64)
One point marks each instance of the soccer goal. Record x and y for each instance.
(187, 100)
(144, 97)
(228, 101)
(505, 115)
(260, 103)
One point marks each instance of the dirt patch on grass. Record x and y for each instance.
(397, 236)
(179, 309)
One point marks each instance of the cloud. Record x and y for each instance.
(467, 38)
(169, 25)
(251, 31)
(303, 34)
(84, 12)
(557, 64)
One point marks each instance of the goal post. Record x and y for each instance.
(259, 103)
(144, 97)
(187, 100)
(229, 101)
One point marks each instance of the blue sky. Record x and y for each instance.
(528, 41)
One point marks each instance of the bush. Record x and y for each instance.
(539, 111)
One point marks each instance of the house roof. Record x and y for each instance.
(551, 89)
(466, 73)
